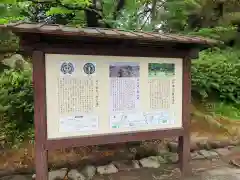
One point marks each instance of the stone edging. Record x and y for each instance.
(199, 151)
(89, 171)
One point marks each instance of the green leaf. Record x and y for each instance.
(58, 10)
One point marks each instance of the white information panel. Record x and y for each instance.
(97, 95)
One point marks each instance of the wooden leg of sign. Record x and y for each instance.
(184, 155)
(40, 116)
(41, 164)
(184, 140)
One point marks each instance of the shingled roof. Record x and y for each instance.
(60, 30)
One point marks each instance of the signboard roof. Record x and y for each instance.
(100, 33)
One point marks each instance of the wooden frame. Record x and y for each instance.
(39, 39)
(43, 145)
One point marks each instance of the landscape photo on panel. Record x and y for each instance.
(161, 69)
(124, 69)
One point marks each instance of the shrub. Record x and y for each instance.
(217, 74)
(16, 106)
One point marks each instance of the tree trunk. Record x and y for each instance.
(153, 13)
(238, 35)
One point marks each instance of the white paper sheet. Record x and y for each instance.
(124, 87)
(78, 123)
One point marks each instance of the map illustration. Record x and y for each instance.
(137, 120)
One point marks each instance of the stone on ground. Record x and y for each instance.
(108, 169)
(74, 174)
(196, 156)
(218, 144)
(208, 154)
(223, 151)
(230, 147)
(173, 147)
(203, 145)
(161, 160)
(89, 171)
(161, 149)
(171, 157)
(150, 162)
(136, 164)
(61, 173)
(125, 165)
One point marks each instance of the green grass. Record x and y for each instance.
(226, 110)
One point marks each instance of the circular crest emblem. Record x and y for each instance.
(67, 68)
(89, 68)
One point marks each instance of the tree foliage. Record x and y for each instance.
(216, 74)
(214, 18)
(16, 107)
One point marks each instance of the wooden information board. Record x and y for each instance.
(97, 86)
(98, 95)
(85, 100)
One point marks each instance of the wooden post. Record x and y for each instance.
(41, 154)
(184, 141)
